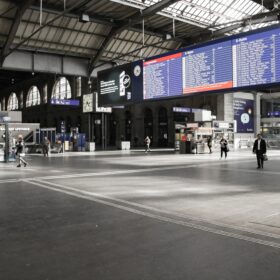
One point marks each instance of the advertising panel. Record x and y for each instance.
(120, 85)
(244, 115)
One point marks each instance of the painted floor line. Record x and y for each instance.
(131, 171)
(256, 171)
(142, 206)
(161, 218)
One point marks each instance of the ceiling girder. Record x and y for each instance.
(20, 9)
(255, 19)
(131, 21)
(75, 6)
(268, 4)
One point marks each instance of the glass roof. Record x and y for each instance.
(213, 14)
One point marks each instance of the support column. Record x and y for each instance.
(171, 128)
(225, 110)
(155, 127)
(257, 109)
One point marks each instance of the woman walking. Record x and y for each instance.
(20, 153)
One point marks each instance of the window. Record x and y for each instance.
(62, 89)
(45, 90)
(0, 106)
(33, 97)
(79, 86)
(12, 102)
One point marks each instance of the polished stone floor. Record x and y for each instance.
(129, 215)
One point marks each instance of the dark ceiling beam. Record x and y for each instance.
(20, 10)
(78, 4)
(48, 8)
(268, 4)
(106, 21)
(131, 21)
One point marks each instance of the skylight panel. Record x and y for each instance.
(204, 13)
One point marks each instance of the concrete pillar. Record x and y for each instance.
(155, 126)
(138, 124)
(171, 127)
(225, 110)
(257, 109)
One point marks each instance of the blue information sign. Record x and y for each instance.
(71, 102)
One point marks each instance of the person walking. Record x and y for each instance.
(209, 144)
(20, 153)
(259, 149)
(224, 147)
(147, 144)
(46, 147)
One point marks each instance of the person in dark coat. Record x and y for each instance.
(224, 147)
(209, 144)
(259, 149)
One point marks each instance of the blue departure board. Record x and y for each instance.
(256, 59)
(208, 68)
(250, 60)
(163, 76)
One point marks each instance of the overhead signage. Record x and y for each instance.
(247, 60)
(70, 102)
(101, 109)
(16, 128)
(181, 110)
(244, 115)
(273, 114)
(256, 59)
(192, 125)
(223, 125)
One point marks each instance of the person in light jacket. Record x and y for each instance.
(20, 152)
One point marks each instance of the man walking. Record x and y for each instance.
(260, 150)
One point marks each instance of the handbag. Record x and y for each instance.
(265, 158)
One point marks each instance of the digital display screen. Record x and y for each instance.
(256, 59)
(207, 68)
(237, 62)
(244, 115)
(234, 63)
(120, 85)
(162, 76)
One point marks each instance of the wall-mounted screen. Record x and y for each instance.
(120, 85)
(244, 115)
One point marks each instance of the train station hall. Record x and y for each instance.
(139, 140)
